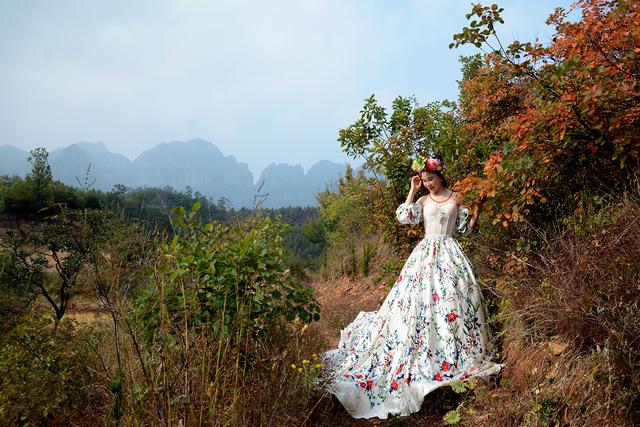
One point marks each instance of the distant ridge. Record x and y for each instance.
(289, 186)
(13, 161)
(195, 163)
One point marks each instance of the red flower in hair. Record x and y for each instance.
(430, 164)
(433, 165)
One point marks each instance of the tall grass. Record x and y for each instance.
(201, 329)
(570, 322)
(210, 341)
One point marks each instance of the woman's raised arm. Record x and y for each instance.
(410, 212)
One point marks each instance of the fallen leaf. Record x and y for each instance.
(557, 347)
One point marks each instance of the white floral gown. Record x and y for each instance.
(429, 331)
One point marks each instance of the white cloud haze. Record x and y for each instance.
(266, 81)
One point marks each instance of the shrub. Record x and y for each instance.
(49, 374)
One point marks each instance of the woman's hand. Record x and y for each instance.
(475, 213)
(416, 182)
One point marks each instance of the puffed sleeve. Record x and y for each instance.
(462, 221)
(409, 214)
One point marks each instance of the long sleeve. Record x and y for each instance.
(409, 214)
(462, 221)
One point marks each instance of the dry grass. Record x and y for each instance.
(86, 316)
(547, 383)
(572, 328)
(341, 301)
(569, 336)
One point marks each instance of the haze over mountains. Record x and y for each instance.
(196, 163)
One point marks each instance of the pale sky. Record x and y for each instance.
(266, 81)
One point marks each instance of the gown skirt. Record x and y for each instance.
(429, 331)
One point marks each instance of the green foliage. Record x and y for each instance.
(452, 418)
(389, 269)
(231, 279)
(547, 410)
(48, 375)
(219, 305)
(154, 205)
(591, 213)
(67, 196)
(116, 387)
(368, 252)
(15, 294)
(459, 386)
(391, 265)
(19, 199)
(469, 67)
(388, 143)
(50, 256)
(40, 177)
(30, 197)
(345, 223)
(480, 27)
(304, 249)
(32, 194)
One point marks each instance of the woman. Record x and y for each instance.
(431, 329)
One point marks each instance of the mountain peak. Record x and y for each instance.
(196, 163)
(182, 148)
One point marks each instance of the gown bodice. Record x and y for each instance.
(439, 219)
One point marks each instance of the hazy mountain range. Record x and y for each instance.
(196, 163)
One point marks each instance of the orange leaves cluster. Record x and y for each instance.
(602, 86)
(568, 112)
(493, 166)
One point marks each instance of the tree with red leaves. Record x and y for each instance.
(552, 120)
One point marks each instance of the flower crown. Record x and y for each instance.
(427, 163)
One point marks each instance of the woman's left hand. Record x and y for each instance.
(475, 213)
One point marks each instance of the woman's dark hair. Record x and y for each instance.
(439, 173)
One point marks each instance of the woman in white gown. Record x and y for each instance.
(431, 329)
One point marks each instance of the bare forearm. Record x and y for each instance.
(410, 197)
(473, 221)
(475, 215)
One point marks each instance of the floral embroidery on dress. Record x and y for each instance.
(429, 331)
(409, 214)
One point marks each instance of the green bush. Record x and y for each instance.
(49, 374)
(230, 279)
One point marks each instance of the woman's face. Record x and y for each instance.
(431, 181)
